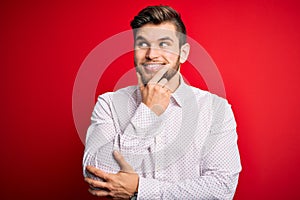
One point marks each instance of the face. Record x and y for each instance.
(157, 46)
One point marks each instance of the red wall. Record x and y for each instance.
(255, 45)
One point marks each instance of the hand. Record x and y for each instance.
(118, 186)
(156, 94)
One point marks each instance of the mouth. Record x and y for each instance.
(153, 67)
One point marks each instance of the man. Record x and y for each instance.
(162, 139)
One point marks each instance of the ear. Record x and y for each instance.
(184, 52)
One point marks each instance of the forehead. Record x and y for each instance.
(157, 31)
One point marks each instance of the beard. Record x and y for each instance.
(146, 77)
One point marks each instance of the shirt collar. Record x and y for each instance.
(180, 93)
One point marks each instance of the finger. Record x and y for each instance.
(140, 81)
(99, 193)
(97, 172)
(122, 162)
(162, 82)
(122, 197)
(172, 84)
(159, 75)
(97, 184)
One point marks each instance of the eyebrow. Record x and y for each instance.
(166, 38)
(160, 39)
(140, 38)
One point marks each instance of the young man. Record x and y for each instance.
(162, 139)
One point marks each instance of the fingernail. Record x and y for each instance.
(116, 152)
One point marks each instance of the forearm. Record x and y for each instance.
(105, 135)
(140, 131)
(217, 186)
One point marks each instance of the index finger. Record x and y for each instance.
(125, 167)
(158, 75)
(97, 172)
(172, 84)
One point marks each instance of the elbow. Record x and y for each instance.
(228, 185)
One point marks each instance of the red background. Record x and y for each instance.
(255, 45)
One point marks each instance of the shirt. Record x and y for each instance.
(188, 152)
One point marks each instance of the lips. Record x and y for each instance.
(153, 67)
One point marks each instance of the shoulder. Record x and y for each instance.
(218, 107)
(108, 101)
(126, 92)
(208, 97)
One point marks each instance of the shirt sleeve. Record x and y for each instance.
(140, 132)
(105, 135)
(219, 169)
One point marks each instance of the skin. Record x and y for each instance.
(157, 58)
(117, 186)
(157, 52)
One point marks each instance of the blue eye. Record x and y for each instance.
(164, 44)
(142, 45)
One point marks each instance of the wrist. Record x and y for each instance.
(157, 109)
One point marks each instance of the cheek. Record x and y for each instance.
(139, 54)
(171, 56)
(172, 52)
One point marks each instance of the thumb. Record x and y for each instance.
(125, 167)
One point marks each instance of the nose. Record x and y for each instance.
(152, 53)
